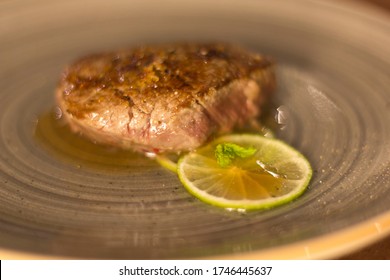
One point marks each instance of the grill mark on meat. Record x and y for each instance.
(153, 96)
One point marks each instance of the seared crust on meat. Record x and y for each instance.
(164, 97)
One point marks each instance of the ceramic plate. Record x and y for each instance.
(63, 197)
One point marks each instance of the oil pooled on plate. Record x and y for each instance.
(57, 138)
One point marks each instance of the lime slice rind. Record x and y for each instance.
(167, 163)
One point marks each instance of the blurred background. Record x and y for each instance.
(381, 3)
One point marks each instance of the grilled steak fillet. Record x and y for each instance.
(164, 97)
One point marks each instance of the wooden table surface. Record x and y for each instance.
(379, 250)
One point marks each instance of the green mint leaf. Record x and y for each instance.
(222, 156)
(225, 153)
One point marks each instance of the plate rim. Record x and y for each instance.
(328, 246)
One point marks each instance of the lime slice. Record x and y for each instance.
(262, 173)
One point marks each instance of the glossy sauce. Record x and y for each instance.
(57, 138)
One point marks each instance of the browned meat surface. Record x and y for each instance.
(164, 97)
